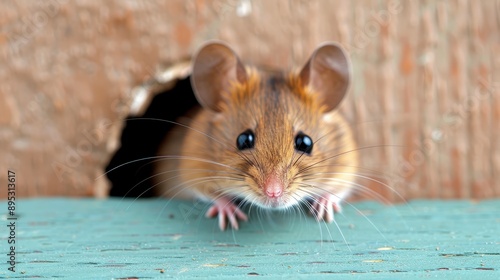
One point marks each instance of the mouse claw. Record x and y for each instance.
(324, 208)
(226, 210)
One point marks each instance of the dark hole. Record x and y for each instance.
(141, 139)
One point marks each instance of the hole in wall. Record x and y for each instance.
(130, 168)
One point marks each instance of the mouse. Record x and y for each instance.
(271, 139)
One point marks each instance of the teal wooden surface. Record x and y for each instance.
(107, 239)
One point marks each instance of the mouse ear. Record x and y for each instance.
(328, 73)
(215, 67)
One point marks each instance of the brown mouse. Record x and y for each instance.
(268, 139)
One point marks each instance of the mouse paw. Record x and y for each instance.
(226, 210)
(324, 207)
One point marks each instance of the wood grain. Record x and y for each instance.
(426, 88)
(138, 239)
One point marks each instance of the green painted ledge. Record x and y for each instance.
(106, 239)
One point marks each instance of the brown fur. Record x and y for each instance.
(276, 108)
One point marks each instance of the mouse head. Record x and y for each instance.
(271, 128)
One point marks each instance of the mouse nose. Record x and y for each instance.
(273, 186)
(274, 193)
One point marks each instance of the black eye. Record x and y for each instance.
(303, 143)
(245, 140)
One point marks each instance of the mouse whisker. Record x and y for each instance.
(341, 149)
(156, 158)
(366, 171)
(296, 161)
(193, 171)
(299, 201)
(314, 213)
(196, 181)
(307, 167)
(359, 187)
(255, 161)
(387, 186)
(341, 182)
(364, 188)
(341, 234)
(247, 159)
(362, 214)
(180, 187)
(170, 157)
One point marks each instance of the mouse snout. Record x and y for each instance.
(272, 193)
(273, 186)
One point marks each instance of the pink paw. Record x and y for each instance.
(324, 207)
(226, 210)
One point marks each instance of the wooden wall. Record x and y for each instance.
(425, 94)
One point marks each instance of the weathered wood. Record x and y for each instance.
(425, 77)
(104, 239)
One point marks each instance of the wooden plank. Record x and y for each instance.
(71, 66)
(114, 238)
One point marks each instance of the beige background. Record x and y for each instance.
(426, 82)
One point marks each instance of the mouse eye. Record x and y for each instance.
(245, 140)
(303, 143)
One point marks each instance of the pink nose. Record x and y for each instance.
(274, 192)
(273, 186)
